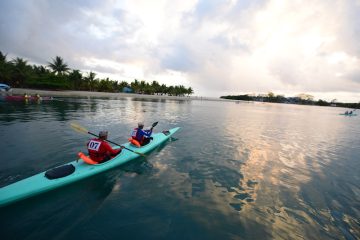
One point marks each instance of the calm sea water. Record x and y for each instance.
(233, 171)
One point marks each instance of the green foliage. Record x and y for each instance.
(5, 69)
(322, 103)
(58, 66)
(58, 76)
(54, 82)
(294, 100)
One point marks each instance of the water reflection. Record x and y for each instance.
(281, 160)
(259, 164)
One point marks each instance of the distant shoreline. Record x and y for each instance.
(71, 93)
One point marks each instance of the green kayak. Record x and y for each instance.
(74, 171)
(350, 115)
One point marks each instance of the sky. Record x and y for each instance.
(217, 47)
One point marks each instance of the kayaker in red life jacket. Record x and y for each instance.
(142, 136)
(99, 150)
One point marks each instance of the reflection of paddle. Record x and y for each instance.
(81, 129)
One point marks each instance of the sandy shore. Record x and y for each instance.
(21, 91)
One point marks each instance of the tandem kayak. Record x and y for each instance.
(353, 114)
(74, 171)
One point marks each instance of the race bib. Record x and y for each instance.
(94, 145)
(133, 134)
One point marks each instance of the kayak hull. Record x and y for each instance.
(38, 183)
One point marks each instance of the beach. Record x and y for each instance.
(70, 93)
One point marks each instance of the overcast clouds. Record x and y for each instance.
(218, 47)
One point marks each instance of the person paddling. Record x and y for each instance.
(99, 150)
(141, 135)
(38, 97)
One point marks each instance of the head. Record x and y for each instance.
(141, 125)
(103, 135)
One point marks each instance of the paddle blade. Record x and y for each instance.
(78, 128)
(141, 154)
(154, 124)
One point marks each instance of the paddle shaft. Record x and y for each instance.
(78, 128)
(116, 144)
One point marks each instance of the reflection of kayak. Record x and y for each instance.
(73, 171)
(353, 114)
(30, 98)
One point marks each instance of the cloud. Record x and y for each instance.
(217, 47)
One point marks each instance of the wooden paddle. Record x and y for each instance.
(81, 129)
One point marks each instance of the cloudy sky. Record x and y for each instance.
(218, 47)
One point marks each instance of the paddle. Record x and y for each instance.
(81, 129)
(153, 125)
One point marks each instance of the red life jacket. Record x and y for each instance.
(97, 151)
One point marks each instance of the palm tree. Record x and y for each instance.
(2, 57)
(190, 91)
(170, 91)
(5, 69)
(19, 63)
(76, 78)
(59, 66)
(155, 87)
(163, 89)
(40, 70)
(21, 69)
(92, 80)
(142, 86)
(135, 86)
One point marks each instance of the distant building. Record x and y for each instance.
(127, 90)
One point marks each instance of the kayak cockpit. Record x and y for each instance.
(60, 172)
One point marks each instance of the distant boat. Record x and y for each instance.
(4, 87)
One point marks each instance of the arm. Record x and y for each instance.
(110, 150)
(148, 132)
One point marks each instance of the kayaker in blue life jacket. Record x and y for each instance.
(141, 135)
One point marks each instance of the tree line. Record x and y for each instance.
(303, 99)
(58, 76)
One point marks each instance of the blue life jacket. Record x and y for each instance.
(139, 134)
